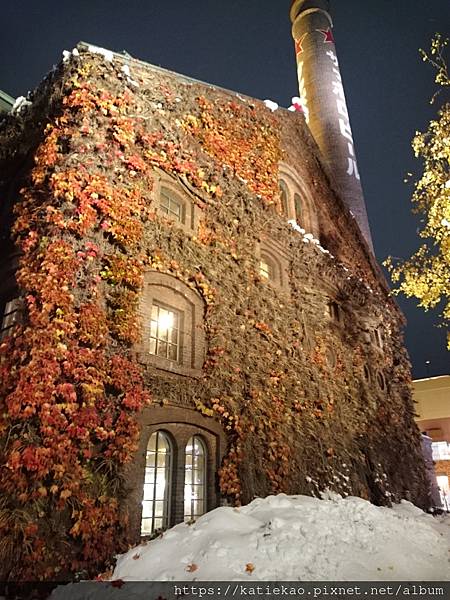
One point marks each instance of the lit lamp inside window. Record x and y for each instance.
(165, 332)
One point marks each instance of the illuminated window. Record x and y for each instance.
(11, 316)
(171, 205)
(266, 269)
(441, 450)
(165, 332)
(195, 479)
(284, 198)
(157, 482)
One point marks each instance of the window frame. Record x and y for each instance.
(196, 438)
(167, 499)
(191, 205)
(334, 311)
(179, 332)
(172, 197)
(296, 185)
(170, 293)
(275, 257)
(11, 316)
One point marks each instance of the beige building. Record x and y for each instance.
(432, 398)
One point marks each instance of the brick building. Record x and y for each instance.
(432, 399)
(191, 316)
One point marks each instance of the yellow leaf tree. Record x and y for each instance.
(426, 275)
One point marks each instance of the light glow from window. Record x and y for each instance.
(195, 479)
(158, 467)
(165, 332)
(441, 450)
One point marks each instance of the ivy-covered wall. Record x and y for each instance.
(286, 382)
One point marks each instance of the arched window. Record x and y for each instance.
(172, 205)
(284, 197)
(267, 269)
(173, 337)
(157, 483)
(298, 208)
(195, 479)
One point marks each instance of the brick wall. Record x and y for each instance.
(289, 399)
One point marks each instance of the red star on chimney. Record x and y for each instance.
(298, 44)
(328, 35)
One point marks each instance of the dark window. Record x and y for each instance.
(11, 316)
(298, 208)
(334, 311)
(378, 336)
(381, 381)
(330, 357)
(284, 197)
(171, 205)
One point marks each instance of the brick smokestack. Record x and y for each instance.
(323, 98)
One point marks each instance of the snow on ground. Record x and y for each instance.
(287, 538)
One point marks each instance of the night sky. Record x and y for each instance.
(246, 45)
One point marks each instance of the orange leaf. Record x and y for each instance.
(249, 568)
(191, 568)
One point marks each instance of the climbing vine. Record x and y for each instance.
(71, 388)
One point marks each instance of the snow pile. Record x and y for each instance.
(271, 105)
(126, 70)
(308, 237)
(287, 538)
(297, 105)
(20, 105)
(107, 54)
(68, 55)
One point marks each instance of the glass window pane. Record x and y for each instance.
(150, 473)
(149, 491)
(162, 349)
(146, 528)
(159, 508)
(164, 332)
(198, 507)
(171, 205)
(298, 207)
(199, 477)
(147, 509)
(195, 478)
(155, 505)
(173, 336)
(284, 198)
